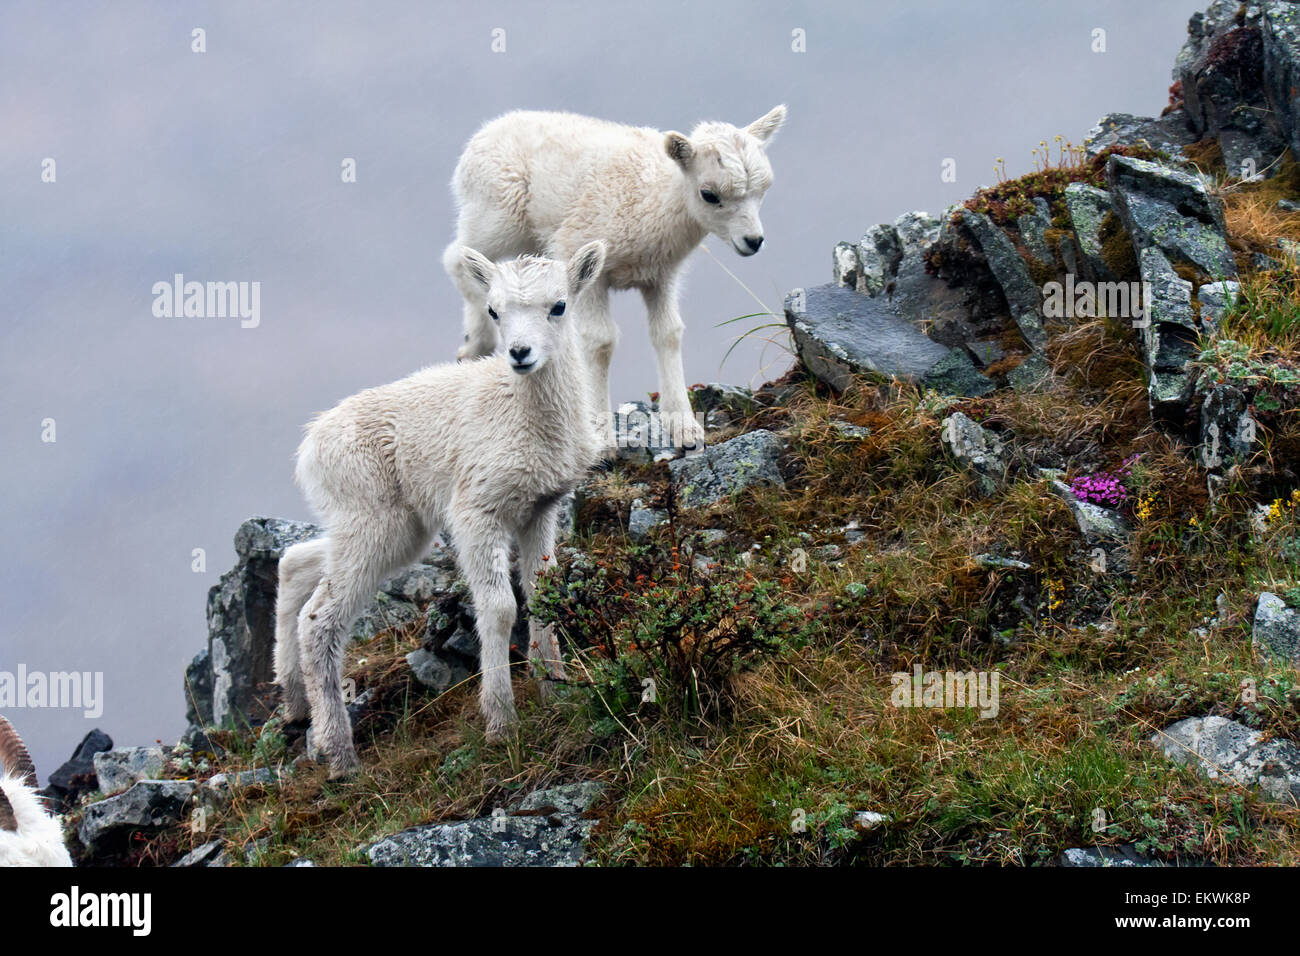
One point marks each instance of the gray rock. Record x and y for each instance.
(846, 267)
(1088, 208)
(566, 798)
(123, 767)
(430, 670)
(1276, 631)
(642, 434)
(1170, 334)
(879, 254)
(722, 470)
(1033, 232)
(77, 776)
(840, 334)
(219, 788)
(1097, 524)
(1034, 374)
(993, 561)
(1169, 134)
(150, 805)
(955, 374)
(723, 405)
(201, 856)
(1227, 428)
(641, 520)
(848, 431)
(1009, 269)
(241, 619)
(1222, 749)
(986, 352)
(1172, 211)
(1088, 856)
(1281, 39)
(546, 828)
(384, 613)
(975, 450)
(1216, 299)
(420, 584)
(916, 229)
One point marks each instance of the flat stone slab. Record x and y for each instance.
(840, 333)
(1223, 749)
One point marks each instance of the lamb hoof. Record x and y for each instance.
(344, 767)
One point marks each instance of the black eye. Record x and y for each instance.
(557, 309)
(709, 196)
(493, 314)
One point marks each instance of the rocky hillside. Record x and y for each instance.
(1005, 569)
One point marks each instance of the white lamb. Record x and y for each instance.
(485, 450)
(544, 183)
(29, 836)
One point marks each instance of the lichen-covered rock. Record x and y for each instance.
(976, 450)
(547, 829)
(1280, 27)
(641, 520)
(746, 460)
(846, 267)
(1033, 231)
(1169, 134)
(642, 434)
(1034, 374)
(1227, 428)
(1276, 631)
(955, 374)
(879, 253)
(1172, 211)
(1088, 856)
(1216, 299)
(123, 767)
(1169, 335)
(840, 334)
(1088, 208)
(1222, 749)
(1097, 524)
(1022, 294)
(148, 806)
(722, 405)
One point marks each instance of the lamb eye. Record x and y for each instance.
(557, 309)
(492, 313)
(709, 196)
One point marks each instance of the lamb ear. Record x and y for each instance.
(477, 268)
(585, 265)
(15, 761)
(678, 148)
(765, 127)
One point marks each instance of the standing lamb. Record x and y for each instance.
(544, 183)
(29, 836)
(485, 450)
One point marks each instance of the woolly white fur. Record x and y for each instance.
(545, 183)
(484, 449)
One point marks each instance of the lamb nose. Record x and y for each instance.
(520, 353)
(754, 242)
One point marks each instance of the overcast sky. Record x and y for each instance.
(225, 166)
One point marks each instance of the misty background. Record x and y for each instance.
(225, 166)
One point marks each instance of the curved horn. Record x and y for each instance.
(7, 819)
(15, 761)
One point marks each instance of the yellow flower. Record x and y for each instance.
(1143, 511)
